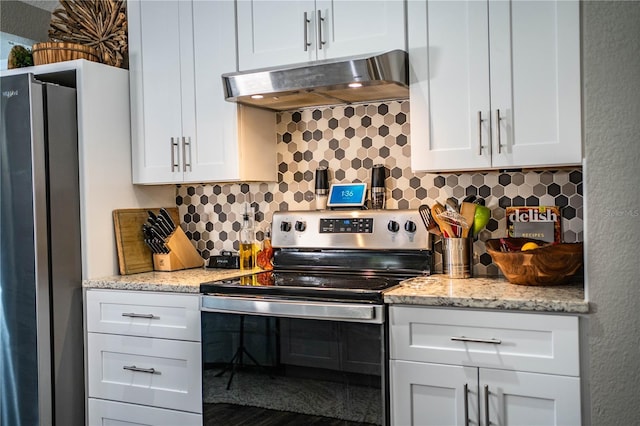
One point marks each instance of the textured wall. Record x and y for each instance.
(24, 20)
(611, 67)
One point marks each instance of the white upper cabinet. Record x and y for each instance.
(183, 129)
(272, 33)
(494, 84)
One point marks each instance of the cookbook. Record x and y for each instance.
(537, 222)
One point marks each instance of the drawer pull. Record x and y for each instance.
(475, 340)
(466, 404)
(134, 315)
(487, 417)
(140, 370)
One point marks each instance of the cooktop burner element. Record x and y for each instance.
(326, 286)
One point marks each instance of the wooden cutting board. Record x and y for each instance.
(133, 254)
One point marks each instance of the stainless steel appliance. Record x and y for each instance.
(364, 78)
(41, 355)
(315, 326)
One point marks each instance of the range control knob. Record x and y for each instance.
(300, 226)
(393, 226)
(410, 226)
(285, 226)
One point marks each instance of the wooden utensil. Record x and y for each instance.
(445, 228)
(429, 223)
(467, 210)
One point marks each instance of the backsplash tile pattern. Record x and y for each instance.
(349, 140)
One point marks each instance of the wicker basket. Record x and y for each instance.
(547, 265)
(50, 52)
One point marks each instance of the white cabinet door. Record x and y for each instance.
(449, 89)
(494, 84)
(213, 154)
(157, 57)
(535, 82)
(110, 413)
(517, 398)
(143, 314)
(508, 340)
(183, 129)
(274, 32)
(432, 394)
(140, 370)
(355, 27)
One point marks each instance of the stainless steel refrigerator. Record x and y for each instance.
(41, 339)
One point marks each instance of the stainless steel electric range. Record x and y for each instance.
(310, 337)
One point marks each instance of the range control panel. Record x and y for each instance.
(346, 226)
(362, 229)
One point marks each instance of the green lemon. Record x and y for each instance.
(480, 219)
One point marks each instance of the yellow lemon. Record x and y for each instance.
(529, 246)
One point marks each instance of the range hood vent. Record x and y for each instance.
(377, 78)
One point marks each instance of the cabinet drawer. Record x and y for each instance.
(102, 412)
(146, 314)
(513, 341)
(140, 370)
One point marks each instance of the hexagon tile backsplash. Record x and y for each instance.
(349, 140)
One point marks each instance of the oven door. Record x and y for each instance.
(293, 362)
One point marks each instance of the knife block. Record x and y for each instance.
(182, 255)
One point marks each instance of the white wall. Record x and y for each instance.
(611, 68)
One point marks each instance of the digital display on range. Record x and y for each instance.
(347, 194)
(346, 226)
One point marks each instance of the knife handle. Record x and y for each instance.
(167, 217)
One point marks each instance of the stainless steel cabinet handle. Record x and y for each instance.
(134, 315)
(487, 420)
(140, 370)
(306, 32)
(498, 130)
(475, 340)
(186, 142)
(320, 23)
(174, 147)
(466, 404)
(480, 120)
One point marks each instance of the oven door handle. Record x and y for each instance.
(294, 309)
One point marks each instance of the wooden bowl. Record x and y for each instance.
(50, 52)
(550, 264)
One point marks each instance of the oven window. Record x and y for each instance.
(279, 371)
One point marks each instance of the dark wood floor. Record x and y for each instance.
(237, 415)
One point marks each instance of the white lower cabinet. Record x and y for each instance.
(103, 412)
(458, 367)
(144, 358)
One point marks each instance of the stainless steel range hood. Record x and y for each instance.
(381, 77)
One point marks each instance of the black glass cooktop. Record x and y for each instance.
(306, 285)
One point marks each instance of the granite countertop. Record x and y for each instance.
(488, 293)
(184, 281)
(434, 290)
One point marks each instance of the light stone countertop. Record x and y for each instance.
(184, 281)
(434, 290)
(488, 293)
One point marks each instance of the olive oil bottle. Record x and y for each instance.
(248, 246)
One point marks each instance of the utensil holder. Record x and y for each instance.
(457, 254)
(182, 254)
